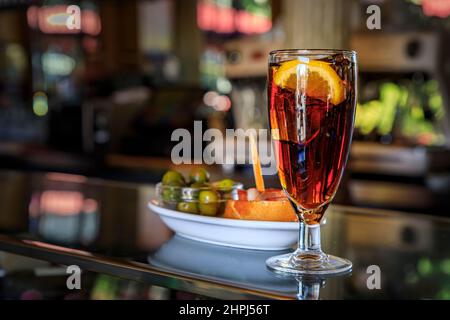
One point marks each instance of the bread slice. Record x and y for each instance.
(265, 210)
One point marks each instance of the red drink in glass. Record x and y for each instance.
(310, 164)
(312, 100)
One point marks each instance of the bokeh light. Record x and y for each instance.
(40, 104)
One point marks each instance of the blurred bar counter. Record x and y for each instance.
(52, 220)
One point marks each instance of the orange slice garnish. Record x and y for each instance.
(318, 80)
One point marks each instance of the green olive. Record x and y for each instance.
(173, 178)
(199, 175)
(208, 202)
(171, 194)
(225, 184)
(208, 209)
(190, 207)
(207, 196)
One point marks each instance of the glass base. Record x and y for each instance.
(293, 264)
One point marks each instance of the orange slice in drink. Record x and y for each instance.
(320, 79)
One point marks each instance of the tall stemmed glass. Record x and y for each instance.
(312, 101)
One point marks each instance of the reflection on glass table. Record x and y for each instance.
(241, 267)
(234, 266)
(23, 278)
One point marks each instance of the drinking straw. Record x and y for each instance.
(257, 172)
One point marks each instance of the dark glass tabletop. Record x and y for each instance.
(105, 226)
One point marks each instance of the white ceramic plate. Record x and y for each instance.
(260, 235)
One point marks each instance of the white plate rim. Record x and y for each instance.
(248, 224)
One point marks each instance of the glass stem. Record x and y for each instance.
(309, 237)
(308, 251)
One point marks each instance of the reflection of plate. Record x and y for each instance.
(261, 235)
(240, 267)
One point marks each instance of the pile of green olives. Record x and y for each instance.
(196, 194)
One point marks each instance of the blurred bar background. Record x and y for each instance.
(103, 101)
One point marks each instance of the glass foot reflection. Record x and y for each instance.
(290, 264)
(309, 287)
